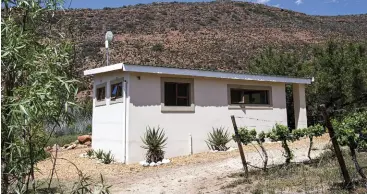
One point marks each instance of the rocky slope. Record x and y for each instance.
(214, 36)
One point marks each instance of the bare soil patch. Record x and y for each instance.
(202, 172)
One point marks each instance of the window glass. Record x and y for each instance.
(101, 93)
(176, 94)
(116, 90)
(245, 96)
(236, 96)
(169, 94)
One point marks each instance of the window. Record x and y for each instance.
(176, 94)
(101, 93)
(243, 96)
(249, 95)
(116, 91)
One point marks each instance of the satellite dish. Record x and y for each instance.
(109, 36)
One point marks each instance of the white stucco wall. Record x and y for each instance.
(108, 120)
(300, 112)
(211, 110)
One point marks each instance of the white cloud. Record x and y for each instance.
(298, 2)
(277, 5)
(262, 1)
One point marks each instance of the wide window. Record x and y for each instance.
(176, 94)
(249, 96)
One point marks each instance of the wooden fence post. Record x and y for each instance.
(334, 141)
(244, 163)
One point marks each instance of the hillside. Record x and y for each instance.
(214, 36)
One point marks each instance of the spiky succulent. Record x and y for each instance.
(154, 141)
(218, 139)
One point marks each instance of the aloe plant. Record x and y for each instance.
(154, 141)
(218, 139)
(90, 153)
(107, 158)
(99, 154)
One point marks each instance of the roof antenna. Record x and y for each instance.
(108, 39)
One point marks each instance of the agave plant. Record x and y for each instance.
(154, 140)
(90, 153)
(108, 158)
(99, 154)
(218, 139)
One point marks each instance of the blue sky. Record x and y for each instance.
(312, 7)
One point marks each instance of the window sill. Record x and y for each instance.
(117, 100)
(188, 109)
(100, 103)
(250, 106)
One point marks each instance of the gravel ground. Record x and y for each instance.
(199, 173)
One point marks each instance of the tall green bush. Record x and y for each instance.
(339, 69)
(351, 131)
(37, 88)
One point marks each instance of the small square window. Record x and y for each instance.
(116, 91)
(101, 94)
(176, 94)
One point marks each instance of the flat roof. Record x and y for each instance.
(196, 73)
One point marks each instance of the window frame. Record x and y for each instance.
(249, 87)
(190, 108)
(120, 99)
(101, 102)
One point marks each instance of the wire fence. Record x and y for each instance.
(325, 120)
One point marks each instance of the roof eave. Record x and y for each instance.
(196, 73)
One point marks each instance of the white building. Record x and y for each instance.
(128, 98)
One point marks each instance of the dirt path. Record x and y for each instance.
(206, 177)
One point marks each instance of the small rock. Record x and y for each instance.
(72, 146)
(83, 155)
(144, 163)
(179, 180)
(231, 149)
(159, 163)
(88, 143)
(66, 145)
(152, 164)
(165, 161)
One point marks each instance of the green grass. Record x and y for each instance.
(62, 140)
(320, 176)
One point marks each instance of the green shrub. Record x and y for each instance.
(311, 132)
(62, 140)
(107, 158)
(246, 136)
(99, 154)
(218, 139)
(154, 140)
(282, 133)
